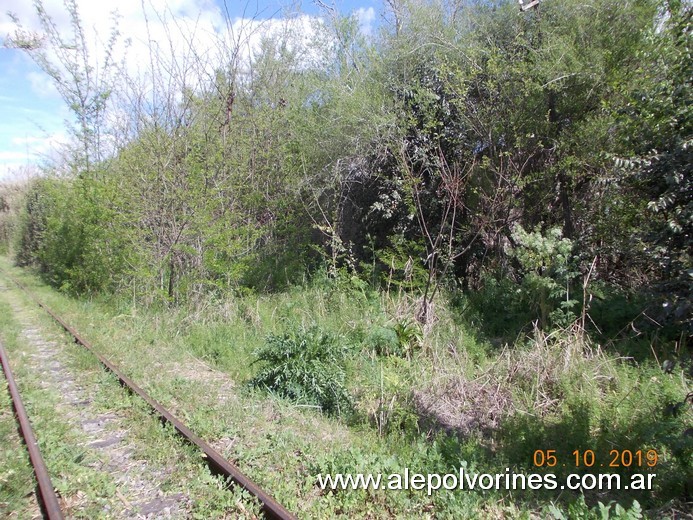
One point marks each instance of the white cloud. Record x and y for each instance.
(42, 85)
(365, 17)
(163, 45)
(12, 157)
(28, 150)
(183, 38)
(31, 147)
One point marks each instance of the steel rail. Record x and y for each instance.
(214, 460)
(48, 501)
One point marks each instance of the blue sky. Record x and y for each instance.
(32, 114)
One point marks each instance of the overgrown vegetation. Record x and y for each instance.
(306, 367)
(468, 235)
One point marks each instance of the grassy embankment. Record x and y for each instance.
(430, 401)
(84, 479)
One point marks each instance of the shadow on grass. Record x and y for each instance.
(616, 446)
(625, 324)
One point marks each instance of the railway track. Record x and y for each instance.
(48, 500)
(217, 464)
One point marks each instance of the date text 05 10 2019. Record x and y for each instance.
(588, 459)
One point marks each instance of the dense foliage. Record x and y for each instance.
(421, 149)
(534, 168)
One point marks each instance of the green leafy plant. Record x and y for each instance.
(400, 339)
(580, 509)
(382, 341)
(547, 265)
(305, 367)
(409, 336)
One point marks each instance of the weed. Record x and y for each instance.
(381, 341)
(579, 510)
(409, 336)
(385, 396)
(548, 389)
(305, 367)
(548, 271)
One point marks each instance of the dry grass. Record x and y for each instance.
(527, 379)
(537, 372)
(463, 406)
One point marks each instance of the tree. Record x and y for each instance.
(69, 62)
(657, 126)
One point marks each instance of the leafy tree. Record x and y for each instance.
(657, 125)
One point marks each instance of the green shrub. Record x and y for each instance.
(579, 509)
(305, 367)
(497, 308)
(382, 341)
(548, 270)
(72, 234)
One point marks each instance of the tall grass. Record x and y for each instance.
(448, 395)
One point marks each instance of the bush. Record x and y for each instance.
(382, 341)
(400, 340)
(306, 367)
(71, 234)
(548, 271)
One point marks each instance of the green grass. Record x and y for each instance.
(59, 445)
(558, 391)
(16, 477)
(87, 491)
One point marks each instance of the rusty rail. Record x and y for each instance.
(46, 493)
(217, 464)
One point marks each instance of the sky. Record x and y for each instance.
(32, 113)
